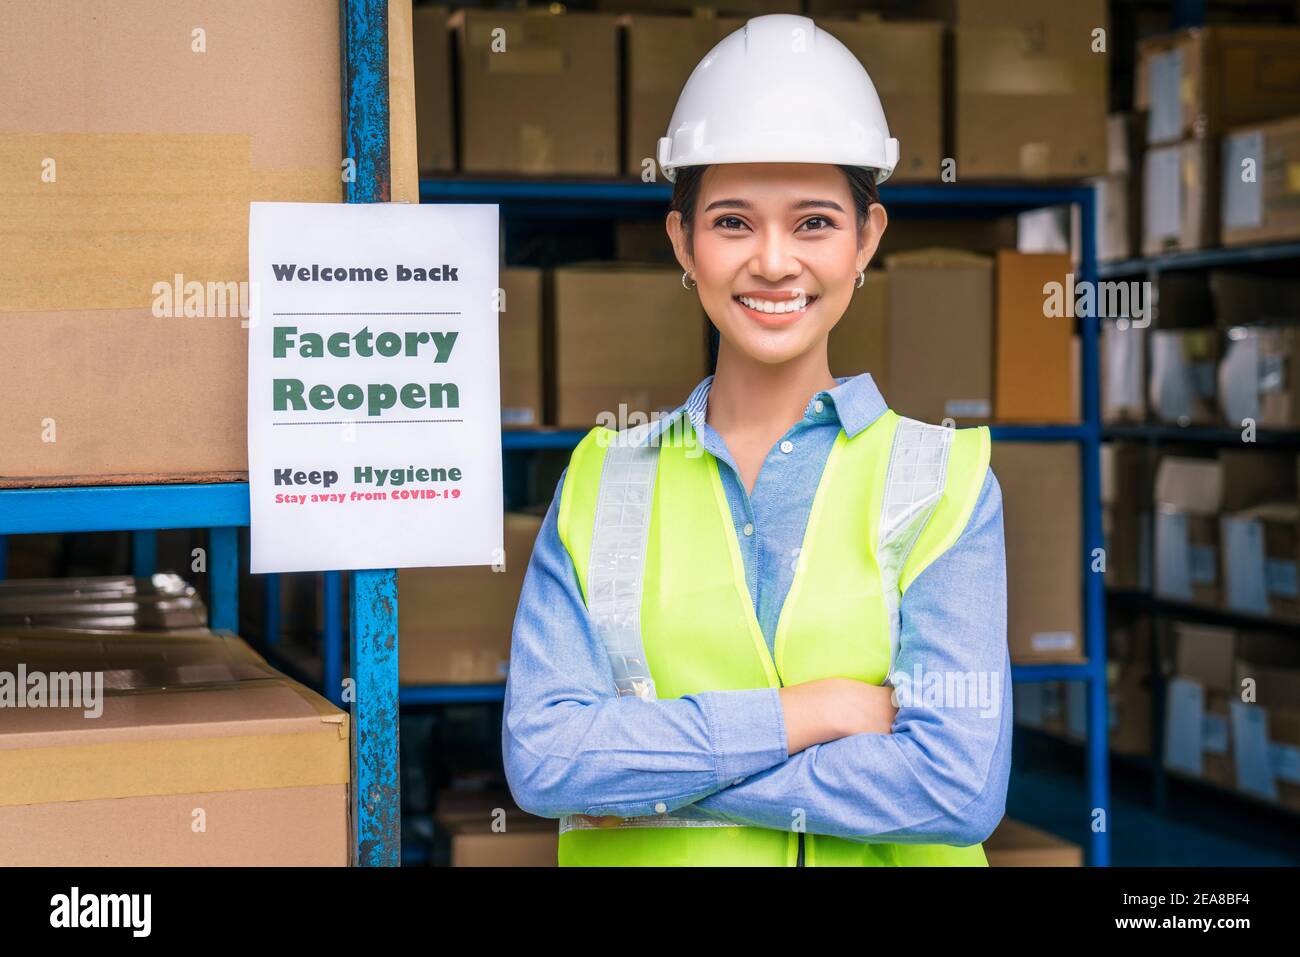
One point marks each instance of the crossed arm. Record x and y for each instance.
(571, 747)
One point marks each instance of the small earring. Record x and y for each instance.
(693, 282)
(862, 277)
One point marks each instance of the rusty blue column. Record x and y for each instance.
(375, 787)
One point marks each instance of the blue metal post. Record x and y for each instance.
(144, 552)
(223, 578)
(332, 639)
(376, 789)
(1098, 719)
(271, 623)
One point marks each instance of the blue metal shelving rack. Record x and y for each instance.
(223, 508)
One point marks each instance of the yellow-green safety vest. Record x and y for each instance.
(653, 544)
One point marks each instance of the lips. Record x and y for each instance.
(775, 312)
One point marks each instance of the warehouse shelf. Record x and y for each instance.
(420, 695)
(1205, 614)
(1201, 259)
(1201, 434)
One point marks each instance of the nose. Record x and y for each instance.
(774, 259)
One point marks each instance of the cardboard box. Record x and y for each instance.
(1119, 216)
(1125, 139)
(941, 335)
(1126, 515)
(1020, 68)
(539, 92)
(1044, 543)
(623, 336)
(1016, 844)
(644, 241)
(1260, 547)
(160, 604)
(860, 340)
(435, 128)
(1262, 203)
(155, 161)
(1257, 377)
(1204, 81)
(1266, 732)
(1188, 496)
(661, 53)
(1183, 370)
(203, 755)
(487, 829)
(1034, 371)
(746, 8)
(1180, 197)
(1123, 373)
(522, 391)
(455, 623)
(905, 61)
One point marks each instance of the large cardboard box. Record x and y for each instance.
(1261, 183)
(1202, 82)
(1180, 197)
(905, 61)
(1197, 739)
(202, 755)
(487, 829)
(625, 339)
(1035, 375)
(1188, 496)
(1257, 377)
(1016, 844)
(1020, 68)
(1184, 362)
(941, 335)
(146, 155)
(455, 623)
(522, 385)
(1044, 543)
(538, 92)
(1266, 732)
(435, 127)
(661, 52)
(860, 340)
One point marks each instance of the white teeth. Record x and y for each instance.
(796, 304)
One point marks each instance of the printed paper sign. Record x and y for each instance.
(374, 423)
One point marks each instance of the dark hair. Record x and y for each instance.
(686, 190)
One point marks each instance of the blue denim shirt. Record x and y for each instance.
(571, 745)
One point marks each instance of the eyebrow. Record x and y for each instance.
(802, 204)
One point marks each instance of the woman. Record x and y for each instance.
(770, 628)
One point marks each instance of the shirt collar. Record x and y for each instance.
(856, 401)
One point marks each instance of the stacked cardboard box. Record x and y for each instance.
(191, 752)
(860, 340)
(1188, 497)
(1036, 374)
(1044, 544)
(487, 829)
(1119, 192)
(1123, 371)
(162, 604)
(435, 125)
(1016, 844)
(1126, 515)
(1266, 730)
(1184, 362)
(1260, 533)
(522, 380)
(1261, 195)
(1197, 741)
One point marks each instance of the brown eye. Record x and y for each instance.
(730, 219)
(823, 219)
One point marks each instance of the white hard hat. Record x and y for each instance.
(779, 90)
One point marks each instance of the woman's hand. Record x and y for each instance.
(831, 708)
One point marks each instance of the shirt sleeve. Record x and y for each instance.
(572, 745)
(941, 776)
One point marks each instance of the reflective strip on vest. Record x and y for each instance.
(914, 484)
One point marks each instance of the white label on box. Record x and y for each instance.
(1123, 367)
(967, 408)
(1281, 577)
(1163, 187)
(1250, 752)
(1285, 761)
(1243, 202)
(1173, 565)
(1052, 640)
(1203, 565)
(1239, 379)
(1172, 388)
(1214, 733)
(1164, 97)
(1243, 565)
(374, 400)
(522, 415)
(1184, 731)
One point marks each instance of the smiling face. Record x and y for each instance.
(775, 252)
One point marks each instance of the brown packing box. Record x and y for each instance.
(1257, 377)
(661, 53)
(456, 622)
(1119, 216)
(1181, 388)
(905, 62)
(1128, 678)
(158, 150)
(487, 829)
(435, 133)
(941, 335)
(1260, 547)
(522, 395)
(622, 335)
(1180, 197)
(859, 342)
(1044, 544)
(539, 92)
(1188, 496)
(203, 755)
(1202, 82)
(1126, 515)
(644, 241)
(1020, 70)
(1265, 207)
(1034, 372)
(1016, 844)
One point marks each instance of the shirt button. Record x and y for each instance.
(661, 808)
(787, 446)
(748, 529)
(819, 406)
(737, 781)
